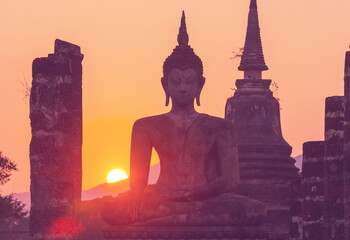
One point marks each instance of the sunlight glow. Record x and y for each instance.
(116, 175)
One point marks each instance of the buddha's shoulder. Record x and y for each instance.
(216, 122)
(149, 121)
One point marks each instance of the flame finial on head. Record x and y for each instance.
(182, 37)
(183, 56)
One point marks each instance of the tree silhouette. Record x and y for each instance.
(6, 167)
(237, 55)
(9, 206)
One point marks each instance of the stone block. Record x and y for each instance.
(312, 209)
(313, 231)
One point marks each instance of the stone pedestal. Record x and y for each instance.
(55, 148)
(266, 168)
(200, 232)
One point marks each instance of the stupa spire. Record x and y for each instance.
(253, 4)
(253, 62)
(182, 37)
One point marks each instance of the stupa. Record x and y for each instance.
(266, 168)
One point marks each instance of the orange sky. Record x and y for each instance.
(125, 44)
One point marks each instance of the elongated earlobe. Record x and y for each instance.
(164, 85)
(166, 99)
(199, 92)
(198, 100)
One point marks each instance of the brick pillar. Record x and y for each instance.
(333, 169)
(55, 148)
(312, 190)
(347, 145)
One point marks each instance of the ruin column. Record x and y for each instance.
(55, 148)
(346, 172)
(333, 169)
(312, 181)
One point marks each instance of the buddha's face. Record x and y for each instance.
(183, 86)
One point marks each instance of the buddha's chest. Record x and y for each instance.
(184, 143)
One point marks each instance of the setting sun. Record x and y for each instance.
(116, 175)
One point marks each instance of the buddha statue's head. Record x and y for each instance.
(183, 78)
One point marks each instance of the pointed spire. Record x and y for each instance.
(182, 37)
(253, 4)
(253, 57)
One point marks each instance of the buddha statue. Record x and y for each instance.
(198, 159)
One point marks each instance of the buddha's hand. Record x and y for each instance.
(135, 207)
(178, 196)
(201, 193)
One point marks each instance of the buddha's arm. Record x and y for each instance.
(226, 152)
(227, 157)
(140, 157)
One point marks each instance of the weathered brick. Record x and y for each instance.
(55, 148)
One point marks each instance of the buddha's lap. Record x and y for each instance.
(226, 208)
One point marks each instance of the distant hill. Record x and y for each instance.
(299, 161)
(113, 189)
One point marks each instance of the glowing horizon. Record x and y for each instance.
(125, 44)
